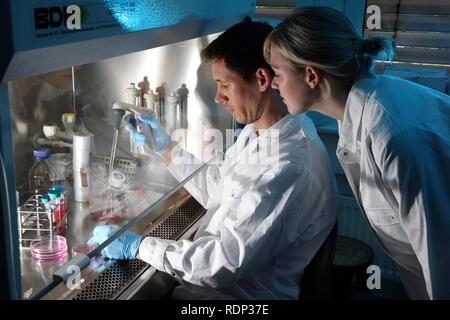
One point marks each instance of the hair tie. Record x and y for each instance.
(369, 46)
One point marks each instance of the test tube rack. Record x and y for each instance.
(34, 221)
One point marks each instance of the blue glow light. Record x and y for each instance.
(136, 15)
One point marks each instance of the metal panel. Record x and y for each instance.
(413, 6)
(9, 265)
(426, 55)
(273, 13)
(381, 65)
(416, 22)
(420, 29)
(419, 39)
(276, 3)
(6, 38)
(56, 48)
(353, 9)
(43, 23)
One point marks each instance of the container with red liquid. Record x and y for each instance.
(56, 206)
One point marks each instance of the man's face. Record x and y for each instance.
(241, 98)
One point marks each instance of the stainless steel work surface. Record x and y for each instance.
(122, 279)
(107, 279)
(84, 217)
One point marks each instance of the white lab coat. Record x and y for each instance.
(394, 147)
(265, 221)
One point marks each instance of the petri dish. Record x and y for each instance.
(46, 268)
(51, 248)
(82, 248)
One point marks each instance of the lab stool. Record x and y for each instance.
(316, 282)
(351, 259)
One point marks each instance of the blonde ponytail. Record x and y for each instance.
(326, 38)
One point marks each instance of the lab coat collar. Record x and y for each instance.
(284, 127)
(267, 136)
(350, 127)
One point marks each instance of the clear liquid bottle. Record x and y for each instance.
(39, 174)
(132, 94)
(171, 111)
(182, 116)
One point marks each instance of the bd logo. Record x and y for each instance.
(54, 17)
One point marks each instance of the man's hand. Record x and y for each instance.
(160, 137)
(126, 246)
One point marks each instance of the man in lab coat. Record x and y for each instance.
(271, 202)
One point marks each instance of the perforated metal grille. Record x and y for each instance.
(120, 274)
(112, 280)
(126, 166)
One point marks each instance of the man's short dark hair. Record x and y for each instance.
(241, 48)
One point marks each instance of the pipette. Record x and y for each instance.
(117, 119)
(140, 127)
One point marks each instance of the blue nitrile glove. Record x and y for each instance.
(160, 136)
(137, 137)
(124, 247)
(129, 126)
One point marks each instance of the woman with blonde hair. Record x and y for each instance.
(394, 137)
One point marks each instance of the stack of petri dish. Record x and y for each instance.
(49, 249)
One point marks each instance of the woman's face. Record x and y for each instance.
(291, 83)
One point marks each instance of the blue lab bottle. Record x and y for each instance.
(39, 174)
